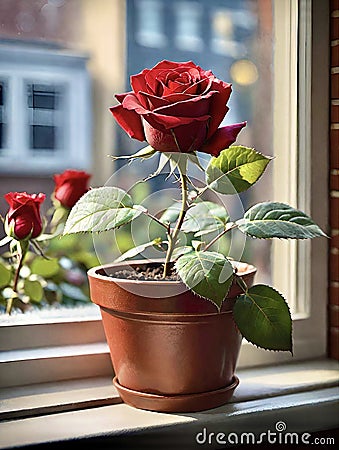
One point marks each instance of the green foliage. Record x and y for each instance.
(144, 153)
(34, 290)
(208, 274)
(263, 317)
(58, 277)
(235, 170)
(5, 275)
(202, 218)
(134, 251)
(45, 267)
(101, 209)
(278, 220)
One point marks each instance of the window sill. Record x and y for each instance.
(303, 395)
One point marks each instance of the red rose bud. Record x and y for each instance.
(177, 107)
(23, 219)
(70, 186)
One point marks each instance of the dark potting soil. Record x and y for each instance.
(149, 273)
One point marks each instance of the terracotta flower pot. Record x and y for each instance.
(171, 350)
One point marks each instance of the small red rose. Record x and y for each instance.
(177, 107)
(70, 186)
(23, 218)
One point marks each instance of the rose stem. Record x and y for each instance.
(230, 227)
(15, 283)
(241, 283)
(172, 238)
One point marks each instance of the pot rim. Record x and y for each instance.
(93, 272)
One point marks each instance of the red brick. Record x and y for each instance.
(334, 149)
(335, 55)
(334, 181)
(334, 316)
(334, 266)
(335, 85)
(334, 243)
(334, 293)
(334, 343)
(335, 113)
(334, 28)
(334, 5)
(334, 212)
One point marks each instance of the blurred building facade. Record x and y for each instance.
(62, 61)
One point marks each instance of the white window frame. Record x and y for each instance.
(21, 65)
(61, 347)
(300, 173)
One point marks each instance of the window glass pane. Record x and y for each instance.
(42, 137)
(43, 103)
(40, 97)
(150, 23)
(188, 26)
(234, 39)
(2, 115)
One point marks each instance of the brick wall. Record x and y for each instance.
(334, 187)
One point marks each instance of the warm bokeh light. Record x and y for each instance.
(244, 72)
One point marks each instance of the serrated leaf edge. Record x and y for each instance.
(289, 312)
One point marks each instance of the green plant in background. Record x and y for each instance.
(41, 267)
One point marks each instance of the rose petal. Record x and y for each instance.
(153, 101)
(200, 87)
(153, 76)
(194, 107)
(130, 121)
(131, 102)
(184, 139)
(138, 82)
(168, 122)
(218, 105)
(222, 139)
(120, 97)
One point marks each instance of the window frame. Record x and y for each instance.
(20, 66)
(303, 280)
(306, 290)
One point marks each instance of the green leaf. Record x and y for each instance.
(179, 251)
(34, 290)
(45, 267)
(202, 218)
(208, 274)
(171, 214)
(47, 237)
(236, 169)
(146, 152)
(101, 209)
(205, 217)
(163, 160)
(194, 158)
(273, 219)
(138, 249)
(5, 276)
(263, 318)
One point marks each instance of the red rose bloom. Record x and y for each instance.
(177, 107)
(23, 217)
(70, 186)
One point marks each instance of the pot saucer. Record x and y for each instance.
(176, 403)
